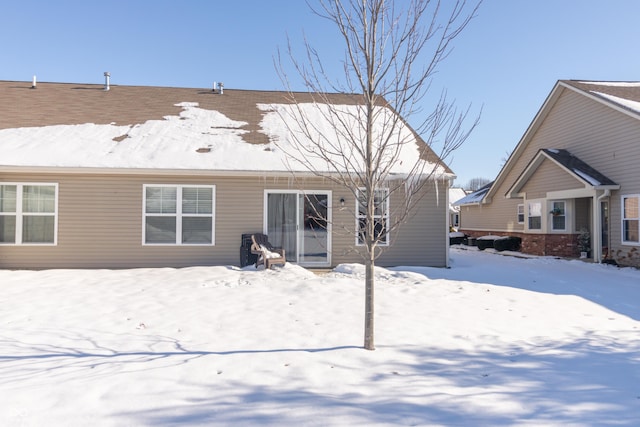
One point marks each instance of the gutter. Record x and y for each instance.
(175, 172)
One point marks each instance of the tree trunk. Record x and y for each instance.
(368, 304)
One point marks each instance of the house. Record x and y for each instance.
(110, 176)
(573, 174)
(455, 194)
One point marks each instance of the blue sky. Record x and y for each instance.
(506, 61)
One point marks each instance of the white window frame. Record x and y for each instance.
(564, 215)
(384, 216)
(520, 213)
(625, 218)
(179, 215)
(300, 227)
(19, 213)
(529, 216)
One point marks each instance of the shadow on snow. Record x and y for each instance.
(587, 382)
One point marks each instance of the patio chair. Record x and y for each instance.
(267, 253)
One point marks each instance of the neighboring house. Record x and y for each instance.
(95, 176)
(575, 169)
(455, 194)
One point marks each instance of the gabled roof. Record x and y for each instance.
(620, 96)
(475, 197)
(577, 167)
(569, 163)
(143, 127)
(455, 194)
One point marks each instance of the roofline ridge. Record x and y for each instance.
(283, 91)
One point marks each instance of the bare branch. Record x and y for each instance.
(392, 51)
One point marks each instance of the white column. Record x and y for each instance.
(596, 232)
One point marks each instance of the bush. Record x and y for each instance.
(484, 243)
(499, 243)
(509, 243)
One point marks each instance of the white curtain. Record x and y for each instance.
(281, 222)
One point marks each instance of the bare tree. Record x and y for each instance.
(392, 52)
(476, 183)
(505, 158)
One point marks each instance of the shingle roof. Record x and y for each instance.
(578, 167)
(22, 106)
(626, 90)
(68, 103)
(623, 94)
(475, 197)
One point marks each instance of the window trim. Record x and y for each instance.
(520, 212)
(564, 214)
(20, 214)
(179, 215)
(529, 216)
(623, 219)
(385, 215)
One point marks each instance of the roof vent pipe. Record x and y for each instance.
(215, 86)
(221, 88)
(107, 75)
(33, 82)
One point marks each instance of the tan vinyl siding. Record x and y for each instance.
(604, 138)
(500, 215)
(472, 218)
(601, 136)
(609, 141)
(423, 237)
(549, 177)
(100, 221)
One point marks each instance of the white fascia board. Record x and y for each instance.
(572, 194)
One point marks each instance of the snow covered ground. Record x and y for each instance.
(495, 340)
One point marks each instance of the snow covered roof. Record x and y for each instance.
(138, 127)
(475, 197)
(578, 167)
(570, 163)
(455, 194)
(622, 94)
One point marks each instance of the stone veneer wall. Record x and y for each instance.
(629, 256)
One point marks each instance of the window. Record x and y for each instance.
(631, 219)
(558, 216)
(380, 216)
(178, 215)
(535, 216)
(28, 213)
(520, 214)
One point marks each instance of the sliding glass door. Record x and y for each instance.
(282, 222)
(299, 222)
(313, 239)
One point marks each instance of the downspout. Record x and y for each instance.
(597, 227)
(446, 236)
(448, 222)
